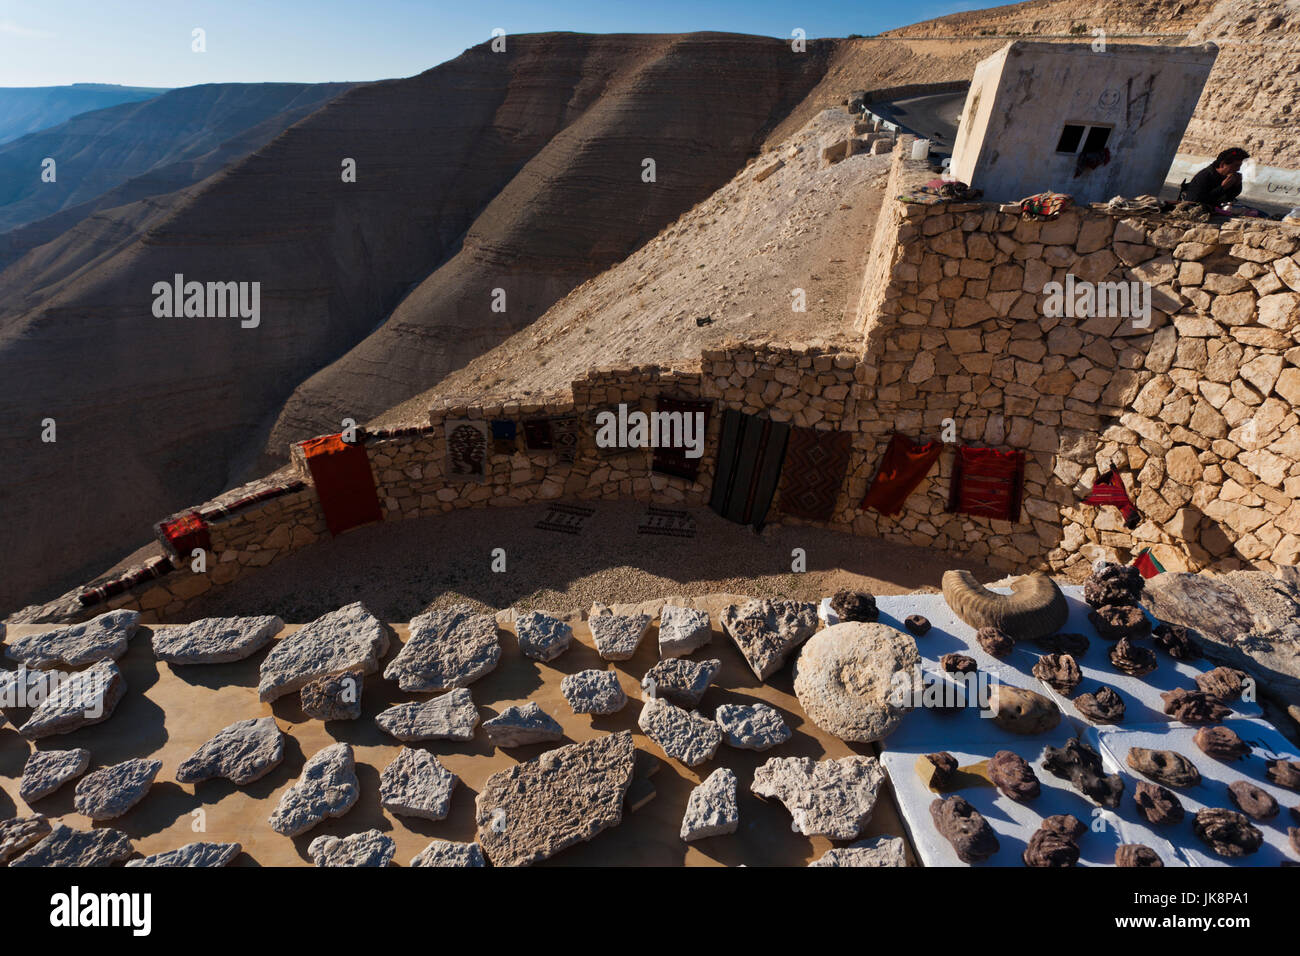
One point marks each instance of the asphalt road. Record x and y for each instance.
(933, 117)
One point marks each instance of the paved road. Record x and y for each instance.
(932, 117)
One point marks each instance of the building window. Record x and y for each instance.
(1093, 139)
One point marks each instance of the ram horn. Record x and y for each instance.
(1034, 608)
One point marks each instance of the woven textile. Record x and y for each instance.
(674, 461)
(564, 433)
(344, 484)
(181, 534)
(750, 453)
(467, 445)
(537, 435)
(815, 464)
(988, 483)
(903, 466)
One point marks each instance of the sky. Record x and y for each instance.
(149, 42)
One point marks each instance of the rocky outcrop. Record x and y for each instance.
(882, 851)
(415, 784)
(47, 770)
(350, 638)
(682, 630)
(846, 678)
(831, 798)
(446, 648)
(100, 638)
(241, 753)
(81, 699)
(68, 847)
(568, 795)
(766, 631)
(109, 792)
(593, 692)
(446, 853)
(452, 716)
(193, 854)
(214, 640)
(752, 727)
(328, 787)
(711, 809)
(522, 725)
(370, 848)
(683, 735)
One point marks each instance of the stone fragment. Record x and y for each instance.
(1022, 711)
(618, 635)
(535, 809)
(214, 640)
(1284, 773)
(1225, 684)
(522, 725)
(445, 649)
(1221, 743)
(855, 606)
(1175, 641)
(193, 854)
(995, 642)
(328, 787)
(767, 631)
(1193, 707)
(109, 792)
(1066, 824)
(680, 681)
(1076, 645)
(369, 848)
(1102, 706)
(593, 692)
(845, 679)
(415, 784)
(1013, 776)
(752, 727)
(965, 828)
(542, 637)
(882, 851)
(80, 700)
(447, 853)
(1164, 766)
(1157, 804)
(1131, 659)
(958, 664)
(937, 770)
(1115, 584)
(1114, 621)
(1227, 832)
(683, 735)
(1135, 855)
(1049, 847)
(711, 809)
(19, 833)
(241, 753)
(451, 716)
(1255, 802)
(348, 639)
(100, 638)
(831, 798)
(1058, 671)
(916, 624)
(336, 697)
(47, 770)
(65, 846)
(682, 630)
(1082, 766)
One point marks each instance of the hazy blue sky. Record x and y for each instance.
(148, 42)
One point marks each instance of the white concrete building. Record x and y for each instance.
(1065, 117)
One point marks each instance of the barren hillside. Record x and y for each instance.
(1040, 18)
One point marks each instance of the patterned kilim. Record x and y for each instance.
(666, 521)
(564, 432)
(988, 483)
(674, 461)
(815, 464)
(566, 518)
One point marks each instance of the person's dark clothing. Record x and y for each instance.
(1207, 188)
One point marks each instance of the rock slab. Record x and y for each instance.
(193, 854)
(109, 792)
(85, 698)
(446, 648)
(521, 725)
(711, 809)
(369, 848)
(452, 716)
(100, 638)
(214, 640)
(542, 637)
(882, 851)
(766, 631)
(831, 798)
(447, 853)
(350, 638)
(47, 770)
(593, 692)
(752, 727)
(415, 784)
(328, 787)
(682, 630)
(683, 735)
(19, 833)
(847, 679)
(618, 635)
(68, 847)
(679, 681)
(336, 697)
(241, 753)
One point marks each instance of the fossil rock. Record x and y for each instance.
(1255, 802)
(680, 681)
(766, 631)
(542, 637)
(193, 854)
(1175, 641)
(1221, 743)
(845, 679)
(446, 648)
(995, 642)
(1058, 671)
(336, 697)
(1102, 706)
(1034, 607)
(1227, 832)
(100, 638)
(1157, 804)
(1050, 848)
(1223, 683)
(415, 784)
(109, 792)
(682, 630)
(958, 664)
(1114, 621)
(683, 735)
(937, 769)
(446, 853)
(348, 639)
(1082, 766)
(214, 640)
(855, 606)
(1076, 645)
(369, 848)
(882, 851)
(535, 809)
(80, 700)
(831, 798)
(1136, 854)
(65, 846)
(965, 828)
(917, 624)
(711, 809)
(522, 725)
(243, 752)
(1193, 706)
(1164, 766)
(1066, 824)
(47, 770)
(751, 727)
(452, 716)
(19, 833)
(1127, 657)
(1022, 711)
(328, 787)
(1283, 773)
(593, 692)
(1113, 584)
(1013, 776)
(618, 635)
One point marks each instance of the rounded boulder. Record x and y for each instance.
(847, 679)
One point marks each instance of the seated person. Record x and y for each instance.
(1218, 183)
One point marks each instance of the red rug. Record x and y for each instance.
(903, 467)
(183, 533)
(344, 483)
(988, 483)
